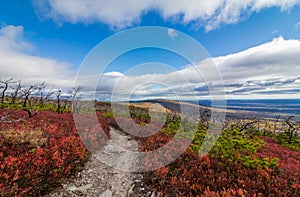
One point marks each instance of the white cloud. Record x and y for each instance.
(15, 61)
(113, 74)
(268, 70)
(278, 58)
(121, 13)
(118, 13)
(11, 38)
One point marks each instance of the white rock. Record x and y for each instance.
(107, 193)
(85, 187)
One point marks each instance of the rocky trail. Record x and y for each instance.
(102, 180)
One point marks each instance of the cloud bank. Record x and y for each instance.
(268, 70)
(271, 69)
(16, 61)
(122, 13)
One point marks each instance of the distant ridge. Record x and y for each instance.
(176, 105)
(173, 106)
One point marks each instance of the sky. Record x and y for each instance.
(251, 48)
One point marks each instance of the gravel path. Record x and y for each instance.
(102, 180)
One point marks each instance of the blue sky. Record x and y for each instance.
(48, 40)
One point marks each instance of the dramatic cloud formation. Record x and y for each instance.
(16, 61)
(270, 69)
(121, 13)
(278, 59)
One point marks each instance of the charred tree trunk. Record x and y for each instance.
(27, 106)
(15, 93)
(5, 87)
(58, 102)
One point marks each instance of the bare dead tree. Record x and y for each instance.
(27, 105)
(47, 97)
(5, 84)
(75, 98)
(249, 125)
(75, 92)
(42, 95)
(292, 127)
(246, 125)
(15, 93)
(40, 92)
(58, 94)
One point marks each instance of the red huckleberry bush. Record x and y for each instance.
(32, 167)
(236, 166)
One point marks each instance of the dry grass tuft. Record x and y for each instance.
(33, 137)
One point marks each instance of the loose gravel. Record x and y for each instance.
(103, 178)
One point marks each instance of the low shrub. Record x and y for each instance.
(236, 166)
(284, 139)
(33, 137)
(32, 167)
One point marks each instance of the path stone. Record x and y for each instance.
(107, 193)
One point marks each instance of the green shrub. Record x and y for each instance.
(108, 114)
(232, 146)
(293, 143)
(171, 128)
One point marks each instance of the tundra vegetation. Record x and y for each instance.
(41, 147)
